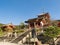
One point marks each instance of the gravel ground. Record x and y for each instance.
(7, 43)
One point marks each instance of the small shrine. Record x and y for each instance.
(8, 27)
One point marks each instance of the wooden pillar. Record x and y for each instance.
(34, 24)
(29, 25)
(40, 23)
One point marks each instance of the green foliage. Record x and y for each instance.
(1, 24)
(1, 32)
(22, 25)
(0, 29)
(17, 27)
(52, 31)
(19, 31)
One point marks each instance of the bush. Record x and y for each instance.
(52, 31)
(19, 31)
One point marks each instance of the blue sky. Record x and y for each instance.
(17, 11)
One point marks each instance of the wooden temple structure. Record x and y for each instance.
(36, 22)
(8, 27)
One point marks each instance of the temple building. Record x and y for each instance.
(41, 20)
(8, 27)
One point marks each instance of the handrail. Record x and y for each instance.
(20, 37)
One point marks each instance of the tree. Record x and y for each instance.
(52, 31)
(17, 27)
(1, 26)
(22, 25)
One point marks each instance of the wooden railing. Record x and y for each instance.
(21, 37)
